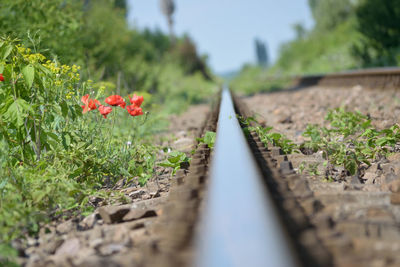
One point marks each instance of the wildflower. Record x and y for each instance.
(104, 111)
(115, 100)
(1, 77)
(134, 110)
(136, 100)
(89, 104)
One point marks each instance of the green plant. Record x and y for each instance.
(208, 139)
(267, 136)
(349, 139)
(312, 169)
(52, 158)
(176, 160)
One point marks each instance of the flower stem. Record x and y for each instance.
(111, 131)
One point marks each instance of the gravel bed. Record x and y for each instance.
(357, 217)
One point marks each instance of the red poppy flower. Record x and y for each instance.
(136, 100)
(89, 104)
(104, 111)
(1, 77)
(134, 110)
(115, 100)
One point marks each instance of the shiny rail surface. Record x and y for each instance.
(240, 225)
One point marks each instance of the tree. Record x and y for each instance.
(168, 8)
(299, 30)
(378, 23)
(330, 13)
(261, 53)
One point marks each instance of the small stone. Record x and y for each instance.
(354, 180)
(155, 194)
(113, 214)
(139, 214)
(89, 221)
(31, 242)
(394, 157)
(120, 183)
(286, 167)
(137, 194)
(69, 247)
(390, 177)
(95, 201)
(395, 198)
(369, 177)
(65, 227)
(394, 186)
(53, 245)
(109, 249)
(129, 190)
(95, 243)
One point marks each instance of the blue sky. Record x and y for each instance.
(225, 29)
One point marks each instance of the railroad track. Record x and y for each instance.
(258, 212)
(248, 216)
(371, 78)
(243, 204)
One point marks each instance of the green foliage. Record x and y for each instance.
(58, 23)
(253, 79)
(267, 136)
(176, 160)
(51, 156)
(315, 52)
(378, 22)
(275, 139)
(208, 139)
(328, 14)
(349, 139)
(320, 52)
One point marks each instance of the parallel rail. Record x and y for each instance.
(240, 225)
(371, 78)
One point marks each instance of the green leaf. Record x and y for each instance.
(64, 109)
(209, 139)
(5, 51)
(351, 166)
(381, 141)
(29, 74)
(17, 112)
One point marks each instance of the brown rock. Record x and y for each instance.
(53, 245)
(137, 193)
(394, 186)
(394, 157)
(109, 249)
(395, 198)
(390, 177)
(139, 214)
(69, 247)
(369, 177)
(113, 214)
(89, 221)
(65, 227)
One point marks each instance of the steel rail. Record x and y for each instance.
(239, 225)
